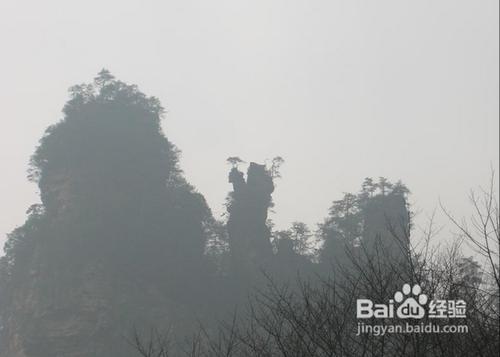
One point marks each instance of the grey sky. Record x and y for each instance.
(341, 89)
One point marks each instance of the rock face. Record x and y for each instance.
(117, 241)
(387, 226)
(374, 222)
(249, 235)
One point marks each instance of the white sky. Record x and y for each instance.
(341, 89)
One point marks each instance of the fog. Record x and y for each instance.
(249, 178)
(340, 89)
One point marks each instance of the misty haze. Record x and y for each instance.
(235, 178)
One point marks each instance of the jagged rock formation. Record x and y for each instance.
(118, 240)
(387, 226)
(249, 202)
(367, 224)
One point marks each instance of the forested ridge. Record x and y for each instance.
(123, 256)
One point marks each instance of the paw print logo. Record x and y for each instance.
(410, 308)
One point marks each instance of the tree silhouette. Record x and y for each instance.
(234, 161)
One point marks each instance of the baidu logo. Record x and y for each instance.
(410, 303)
